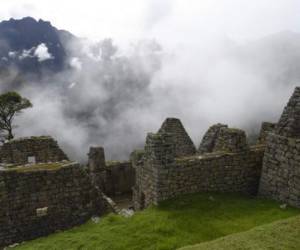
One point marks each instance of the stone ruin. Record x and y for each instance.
(36, 201)
(208, 142)
(280, 178)
(113, 178)
(183, 144)
(231, 140)
(41, 191)
(228, 165)
(266, 128)
(31, 150)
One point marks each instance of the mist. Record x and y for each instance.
(200, 65)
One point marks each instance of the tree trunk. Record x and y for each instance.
(10, 135)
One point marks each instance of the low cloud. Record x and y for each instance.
(42, 53)
(119, 96)
(76, 63)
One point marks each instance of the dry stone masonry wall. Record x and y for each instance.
(266, 128)
(209, 139)
(184, 146)
(289, 123)
(96, 166)
(159, 154)
(120, 178)
(281, 165)
(38, 149)
(231, 140)
(232, 167)
(38, 202)
(113, 178)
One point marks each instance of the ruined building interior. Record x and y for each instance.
(42, 191)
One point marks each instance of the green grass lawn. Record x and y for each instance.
(186, 220)
(282, 235)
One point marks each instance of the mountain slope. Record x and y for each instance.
(32, 46)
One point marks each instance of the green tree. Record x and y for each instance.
(11, 104)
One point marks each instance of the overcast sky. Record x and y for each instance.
(164, 20)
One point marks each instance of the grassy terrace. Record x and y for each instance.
(183, 221)
(283, 235)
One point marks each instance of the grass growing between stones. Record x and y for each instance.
(186, 220)
(283, 235)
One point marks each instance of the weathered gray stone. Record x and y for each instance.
(113, 178)
(184, 146)
(289, 122)
(209, 139)
(266, 128)
(38, 202)
(42, 149)
(161, 175)
(231, 140)
(281, 163)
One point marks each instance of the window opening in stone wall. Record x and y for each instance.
(31, 159)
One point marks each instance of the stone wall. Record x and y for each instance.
(266, 128)
(231, 140)
(289, 123)
(114, 178)
(281, 165)
(39, 201)
(97, 167)
(39, 149)
(120, 178)
(184, 146)
(137, 160)
(161, 175)
(208, 142)
(280, 178)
